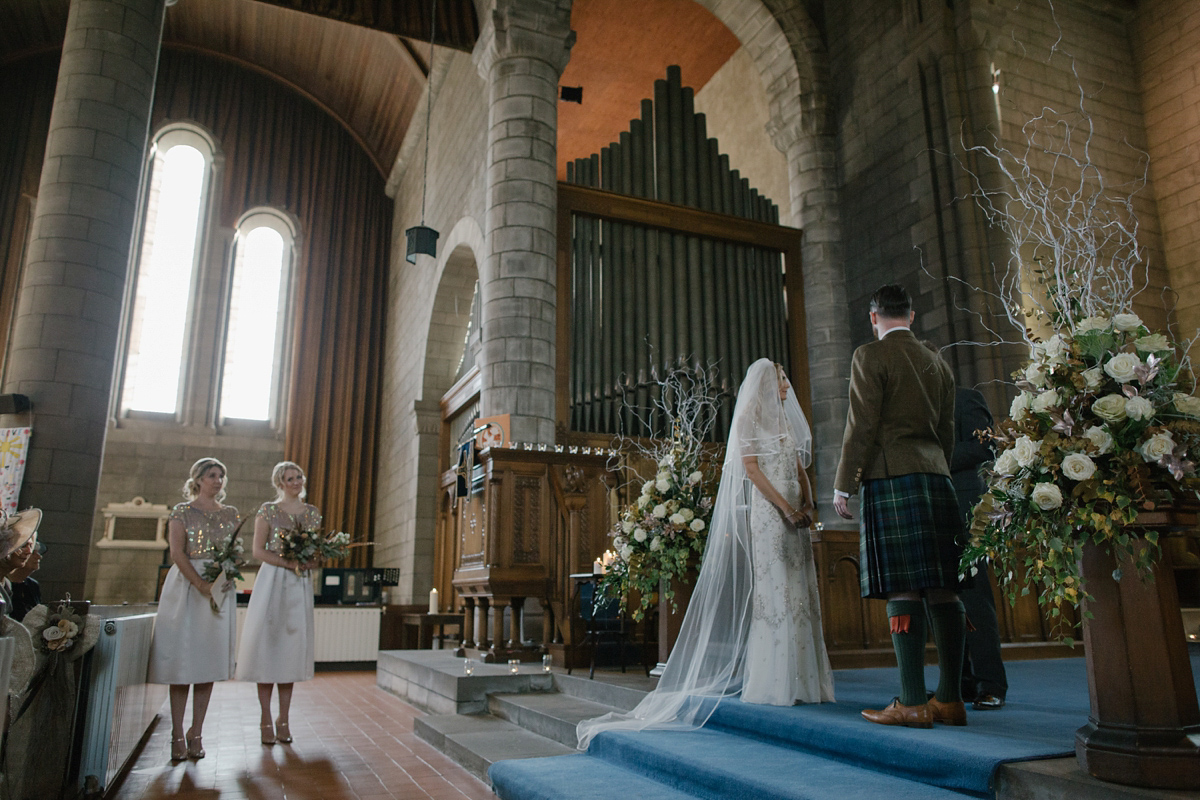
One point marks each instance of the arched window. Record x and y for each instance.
(254, 341)
(172, 228)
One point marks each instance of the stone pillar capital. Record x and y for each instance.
(814, 119)
(537, 29)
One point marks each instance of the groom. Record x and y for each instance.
(896, 449)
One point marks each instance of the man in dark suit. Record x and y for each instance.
(897, 449)
(984, 679)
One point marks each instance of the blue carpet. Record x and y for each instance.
(823, 751)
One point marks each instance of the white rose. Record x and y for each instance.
(1152, 343)
(656, 544)
(697, 525)
(1078, 467)
(1099, 437)
(639, 535)
(1020, 406)
(1025, 450)
(1034, 374)
(626, 552)
(1186, 404)
(695, 477)
(647, 487)
(662, 485)
(1110, 408)
(1007, 463)
(1093, 377)
(1056, 349)
(676, 519)
(1091, 324)
(687, 514)
(1139, 408)
(1046, 496)
(643, 501)
(1121, 367)
(53, 633)
(659, 511)
(1046, 401)
(627, 525)
(1157, 446)
(1127, 322)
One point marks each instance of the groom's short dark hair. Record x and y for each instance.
(891, 301)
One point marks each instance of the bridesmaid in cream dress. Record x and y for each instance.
(193, 645)
(277, 637)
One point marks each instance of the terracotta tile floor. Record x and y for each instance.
(352, 740)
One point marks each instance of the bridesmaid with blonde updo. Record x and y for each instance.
(194, 645)
(277, 638)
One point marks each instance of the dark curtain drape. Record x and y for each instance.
(26, 94)
(283, 151)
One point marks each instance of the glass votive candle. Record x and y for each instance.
(547, 660)
(468, 666)
(513, 665)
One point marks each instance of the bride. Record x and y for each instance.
(753, 626)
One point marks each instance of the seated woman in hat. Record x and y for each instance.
(20, 555)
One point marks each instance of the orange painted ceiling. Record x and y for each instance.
(621, 48)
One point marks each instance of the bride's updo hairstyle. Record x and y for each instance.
(192, 487)
(277, 478)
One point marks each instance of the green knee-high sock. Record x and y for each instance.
(950, 635)
(910, 648)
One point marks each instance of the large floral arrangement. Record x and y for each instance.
(1103, 428)
(661, 534)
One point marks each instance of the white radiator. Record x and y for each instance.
(120, 704)
(340, 633)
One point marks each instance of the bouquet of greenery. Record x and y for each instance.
(226, 557)
(304, 545)
(658, 534)
(1104, 426)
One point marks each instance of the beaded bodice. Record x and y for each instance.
(204, 529)
(280, 520)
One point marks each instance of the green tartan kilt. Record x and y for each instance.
(910, 535)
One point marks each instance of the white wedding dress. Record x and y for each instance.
(786, 661)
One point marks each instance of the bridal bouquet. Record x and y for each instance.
(1104, 427)
(226, 558)
(660, 534)
(303, 545)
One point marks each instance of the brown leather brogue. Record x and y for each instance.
(899, 714)
(948, 713)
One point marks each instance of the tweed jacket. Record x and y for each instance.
(901, 418)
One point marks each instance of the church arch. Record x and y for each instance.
(458, 273)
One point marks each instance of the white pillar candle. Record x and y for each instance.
(433, 601)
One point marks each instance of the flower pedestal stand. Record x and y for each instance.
(669, 621)
(1144, 726)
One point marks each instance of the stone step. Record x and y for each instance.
(434, 680)
(476, 741)
(617, 691)
(552, 715)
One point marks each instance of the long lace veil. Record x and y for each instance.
(707, 661)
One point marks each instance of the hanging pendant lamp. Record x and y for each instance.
(422, 239)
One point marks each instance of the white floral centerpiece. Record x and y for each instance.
(1104, 427)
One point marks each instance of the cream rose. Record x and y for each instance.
(627, 526)
(1092, 378)
(1025, 450)
(647, 487)
(1139, 408)
(643, 501)
(1110, 408)
(1046, 401)
(656, 544)
(53, 633)
(659, 511)
(1153, 449)
(1152, 343)
(1020, 406)
(1046, 496)
(1091, 324)
(1186, 404)
(695, 477)
(676, 519)
(1078, 467)
(1099, 437)
(687, 514)
(1007, 463)
(626, 552)
(1121, 367)
(697, 525)
(1127, 322)
(639, 535)
(1034, 374)
(1056, 349)
(663, 484)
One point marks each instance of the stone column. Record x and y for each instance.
(811, 153)
(68, 314)
(521, 52)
